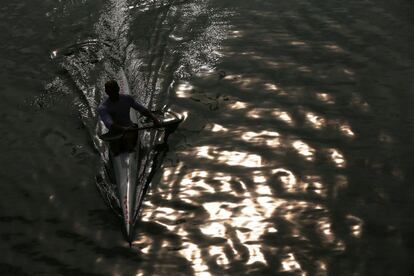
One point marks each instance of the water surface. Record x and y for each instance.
(294, 159)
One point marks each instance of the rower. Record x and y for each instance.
(115, 114)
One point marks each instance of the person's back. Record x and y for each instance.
(118, 112)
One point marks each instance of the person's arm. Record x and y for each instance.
(144, 111)
(151, 115)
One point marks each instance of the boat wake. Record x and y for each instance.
(148, 65)
(88, 66)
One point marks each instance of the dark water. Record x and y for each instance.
(295, 157)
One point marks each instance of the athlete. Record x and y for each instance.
(115, 114)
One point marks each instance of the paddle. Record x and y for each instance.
(169, 124)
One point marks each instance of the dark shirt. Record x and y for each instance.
(119, 112)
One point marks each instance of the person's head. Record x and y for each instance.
(112, 90)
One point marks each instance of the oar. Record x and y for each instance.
(115, 136)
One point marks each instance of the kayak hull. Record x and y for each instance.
(125, 173)
(133, 171)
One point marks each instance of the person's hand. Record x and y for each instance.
(157, 122)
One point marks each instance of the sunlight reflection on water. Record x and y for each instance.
(230, 158)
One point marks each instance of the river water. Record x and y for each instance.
(295, 157)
